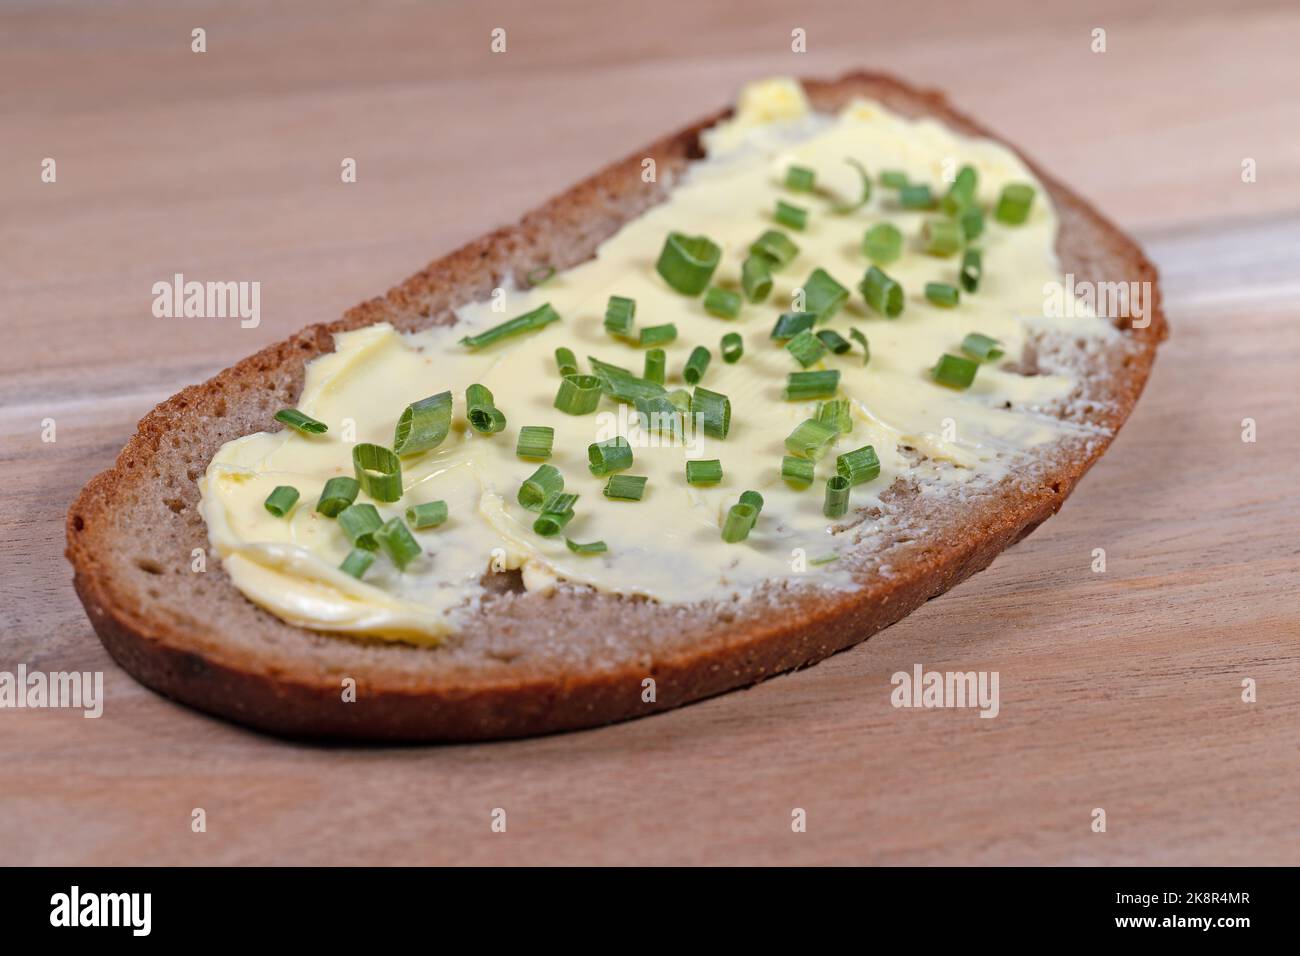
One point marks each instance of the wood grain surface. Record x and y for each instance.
(1120, 690)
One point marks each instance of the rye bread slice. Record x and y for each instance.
(532, 663)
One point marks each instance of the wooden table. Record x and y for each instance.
(1120, 690)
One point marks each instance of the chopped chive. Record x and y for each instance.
(858, 465)
(824, 559)
(696, 365)
(657, 413)
(723, 303)
(556, 513)
(733, 347)
(535, 442)
(428, 515)
(795, 217)
(916, 196)
(687, 262)
(378, 471)
(578, 394)
(753, 499)
(540, 317)
(620, 384)
(701, 471)
(834, 341)
(680, 399)
(798, 472)
(955, 371)
(656, 363)
(823, 296)
(560, 501)
(658, 334)
(941, 237)
(893, 179)
(961, 193)
(539, 486)
(281, 501)
(423, 424)
(566, 361)
(338, 493)
(810, 439)
(625, 487)
(882, 293)
(591, 547)
(806, 348)
(398, 542)
(482, 412)
(801, 386)
(541, 274)
(359, 523)
(972, 222)
(844, 209)
(756, 278)
(982, 347)
(1013, 204)
(740, 521)
(619, 313)
(712, 410)
(942, 294)
(606, 457)
(357, 563)
(791, 324)
(883, 243)
(836, 413)
(799, 179)
(299, 422)
(861, 339)
(775, 246)
(972, 269)
(837, 497)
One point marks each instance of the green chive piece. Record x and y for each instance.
(359, 523)
(556, 513)
(619, 313)
(882, 293)
(658, 334)
(299, 422)
(843, 209)
(802, 386)
(740, 521)
(756, 277)
(811, 439)
(916, 197)
(942, 294)
(955, 371)
(733, 347)
(837, 414)
(541, 274)
(578, 394)
(893, 179)
(834, 341)
(858, 465)
(620, 384)
(482, 412)
(423, 424)
(566, 361)
(540, 317)
(971, 220)
(723, 303)
(606, 457)
(712, 410)
(625, 487)
(961, 193)
(982, 347)
(428, 515)
(797, 472)
(398, 542)
(657, 413)
(837, 497)
(794, 217)
(680, 399)
(799, 179)
(806, 348)
(357, 563)
(591, 547)
(378, 471)
(754, 500)
(823, 296)
(656, 364)
(883, 243)
(1013, 204)
(972, 269)
(535, 442)
(338, 493)
(281, 501)
(687, 262)
(702, 471)
(861, 339)
(696, 365)
(824, 559)
(941, 237)
(776, 247)
(539, 486)
(791, 324)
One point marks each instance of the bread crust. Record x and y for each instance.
(291, 682)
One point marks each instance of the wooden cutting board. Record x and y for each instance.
(1120, 690)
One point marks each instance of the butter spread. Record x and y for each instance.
(667, 546)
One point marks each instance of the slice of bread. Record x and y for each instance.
(533, 663)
